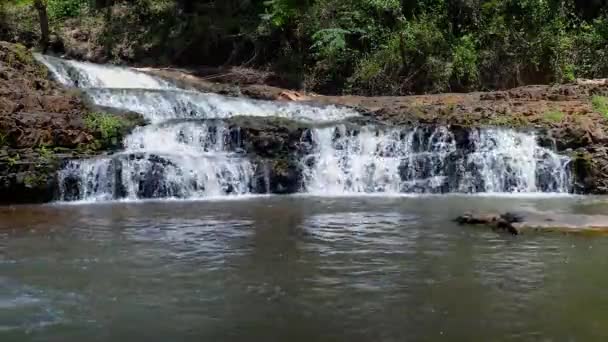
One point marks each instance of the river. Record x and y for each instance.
(297, 268)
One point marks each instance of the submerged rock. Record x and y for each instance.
(521, 223)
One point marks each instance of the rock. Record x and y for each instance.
(278, 176)
(597, 81)
(292, 96)
(41, 125)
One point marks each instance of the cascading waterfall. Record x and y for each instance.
(181, 159)
(431, 160)
(192, 158)
(186, 152)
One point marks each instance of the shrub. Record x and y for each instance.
(414, 58)
(109, 128)
(464, 59)
(62, 9)
(378, 73)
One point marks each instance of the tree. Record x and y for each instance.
(43, 17)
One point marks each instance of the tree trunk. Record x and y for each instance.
(43, 17)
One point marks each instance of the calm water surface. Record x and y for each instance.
(297, 269)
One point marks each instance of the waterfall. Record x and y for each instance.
(183, 159)
(431, 160)
(182, 153)
(189, 151)
(89, 75)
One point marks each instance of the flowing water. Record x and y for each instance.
(414, 160)
(188, 152)
(290, 268)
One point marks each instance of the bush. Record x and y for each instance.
(464, 58)
(107, 127)
(591, 46)
(379, 72)
(62, 9)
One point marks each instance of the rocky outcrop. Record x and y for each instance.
(43, 124)
(522, 223)
(565, 117)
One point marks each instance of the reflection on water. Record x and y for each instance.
(297, 269)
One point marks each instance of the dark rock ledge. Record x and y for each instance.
(523, 223)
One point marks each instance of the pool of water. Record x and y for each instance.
(298, 269)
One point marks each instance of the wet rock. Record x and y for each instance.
(278, 176)
(521, 223)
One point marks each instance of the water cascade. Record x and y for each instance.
(431, 160)
(183, 152)
(189, 151)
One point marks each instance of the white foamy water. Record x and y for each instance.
(159, 106)
(184, 160)
(88, 75)
(423, 160)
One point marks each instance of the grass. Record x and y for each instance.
(600, 105)
(553, 115)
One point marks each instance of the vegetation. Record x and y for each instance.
(109, 129)
(355, 46)
(600, 104)
(12, 161)
(34, 180)
(45, 153)
(108, 126)
(553, 115)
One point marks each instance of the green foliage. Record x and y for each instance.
(19, 54)
(362, 46)
(279, 12)
(465, 60)
(62, 9)
(553, 115)
(600, 104)
(592, 48)
(45, 153)
(330, 42)
(109, 128)
(375, 72)
(12, 161)
(33, 180)
(3, 139)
